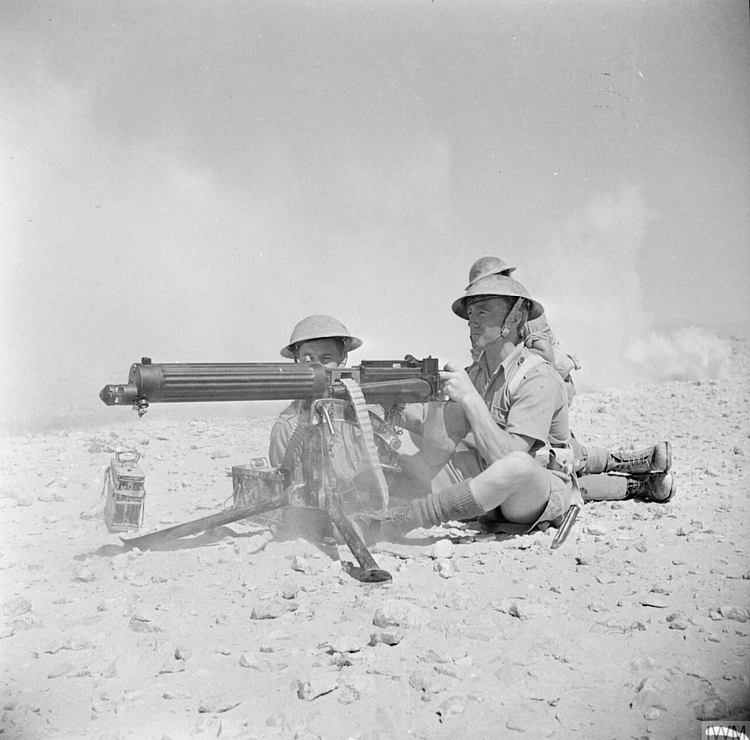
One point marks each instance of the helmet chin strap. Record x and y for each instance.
(482, 346)
(513, 315)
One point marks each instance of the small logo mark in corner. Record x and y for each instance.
(725, 729)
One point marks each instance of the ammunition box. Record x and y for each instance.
(255, 483)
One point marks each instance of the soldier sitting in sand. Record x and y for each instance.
(515, 406)
(628, 474)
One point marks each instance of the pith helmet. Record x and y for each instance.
(319, 327)
(485, 266)
(496, 285)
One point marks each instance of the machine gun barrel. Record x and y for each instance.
(383, 382)
(204, 382)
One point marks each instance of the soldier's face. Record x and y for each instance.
(486, 318)
(325, 351)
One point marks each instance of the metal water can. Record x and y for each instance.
(125, 490)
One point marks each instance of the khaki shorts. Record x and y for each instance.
(465, 463)
(561, 496)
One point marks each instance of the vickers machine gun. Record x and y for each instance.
(335, 398)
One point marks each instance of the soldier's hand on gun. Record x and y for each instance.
(456, 385)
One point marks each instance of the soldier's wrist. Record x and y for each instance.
(473, 403)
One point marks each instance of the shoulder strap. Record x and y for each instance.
(521, 370)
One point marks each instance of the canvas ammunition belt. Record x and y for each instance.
(363, 418)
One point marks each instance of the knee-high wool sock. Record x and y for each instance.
(454, 503)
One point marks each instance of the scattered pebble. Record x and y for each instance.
(217, 704)
(390, 637)
(302, 565)
(289, 590)
(272, 609)
(316, 685)
(657, 601)
(141, 622)
(445, 568)
(443, 549)
(395, 613)
(595, 529)
(248, 660)
(738, 614)
(62, 670)
(15, 606)
(345, 643)
(84, 574)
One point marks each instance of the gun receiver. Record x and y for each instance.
(382, 382)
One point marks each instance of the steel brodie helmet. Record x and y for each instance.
(485, 266)
(320, 327)
(496, 285)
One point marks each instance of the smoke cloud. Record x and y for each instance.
(690, 353)
(589, 279)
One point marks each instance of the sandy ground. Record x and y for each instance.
(637, 627)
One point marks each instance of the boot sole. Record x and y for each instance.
(670, 495)
(665, 465)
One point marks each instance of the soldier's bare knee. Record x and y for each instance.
(513, 469)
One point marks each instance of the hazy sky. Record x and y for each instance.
(186, 180)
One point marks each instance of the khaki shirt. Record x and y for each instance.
(349, 462)
(534, 405)
(282, 432)
(537, 407)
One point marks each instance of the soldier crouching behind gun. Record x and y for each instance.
(321, 339)
(325, 340)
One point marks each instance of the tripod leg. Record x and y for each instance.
(207, 522)
(370, 572)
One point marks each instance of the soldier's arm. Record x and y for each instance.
(281, 433)
(493, 442)
(413, 417)
(445, 425)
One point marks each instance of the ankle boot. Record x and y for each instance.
(654, 459)
(656, 488)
